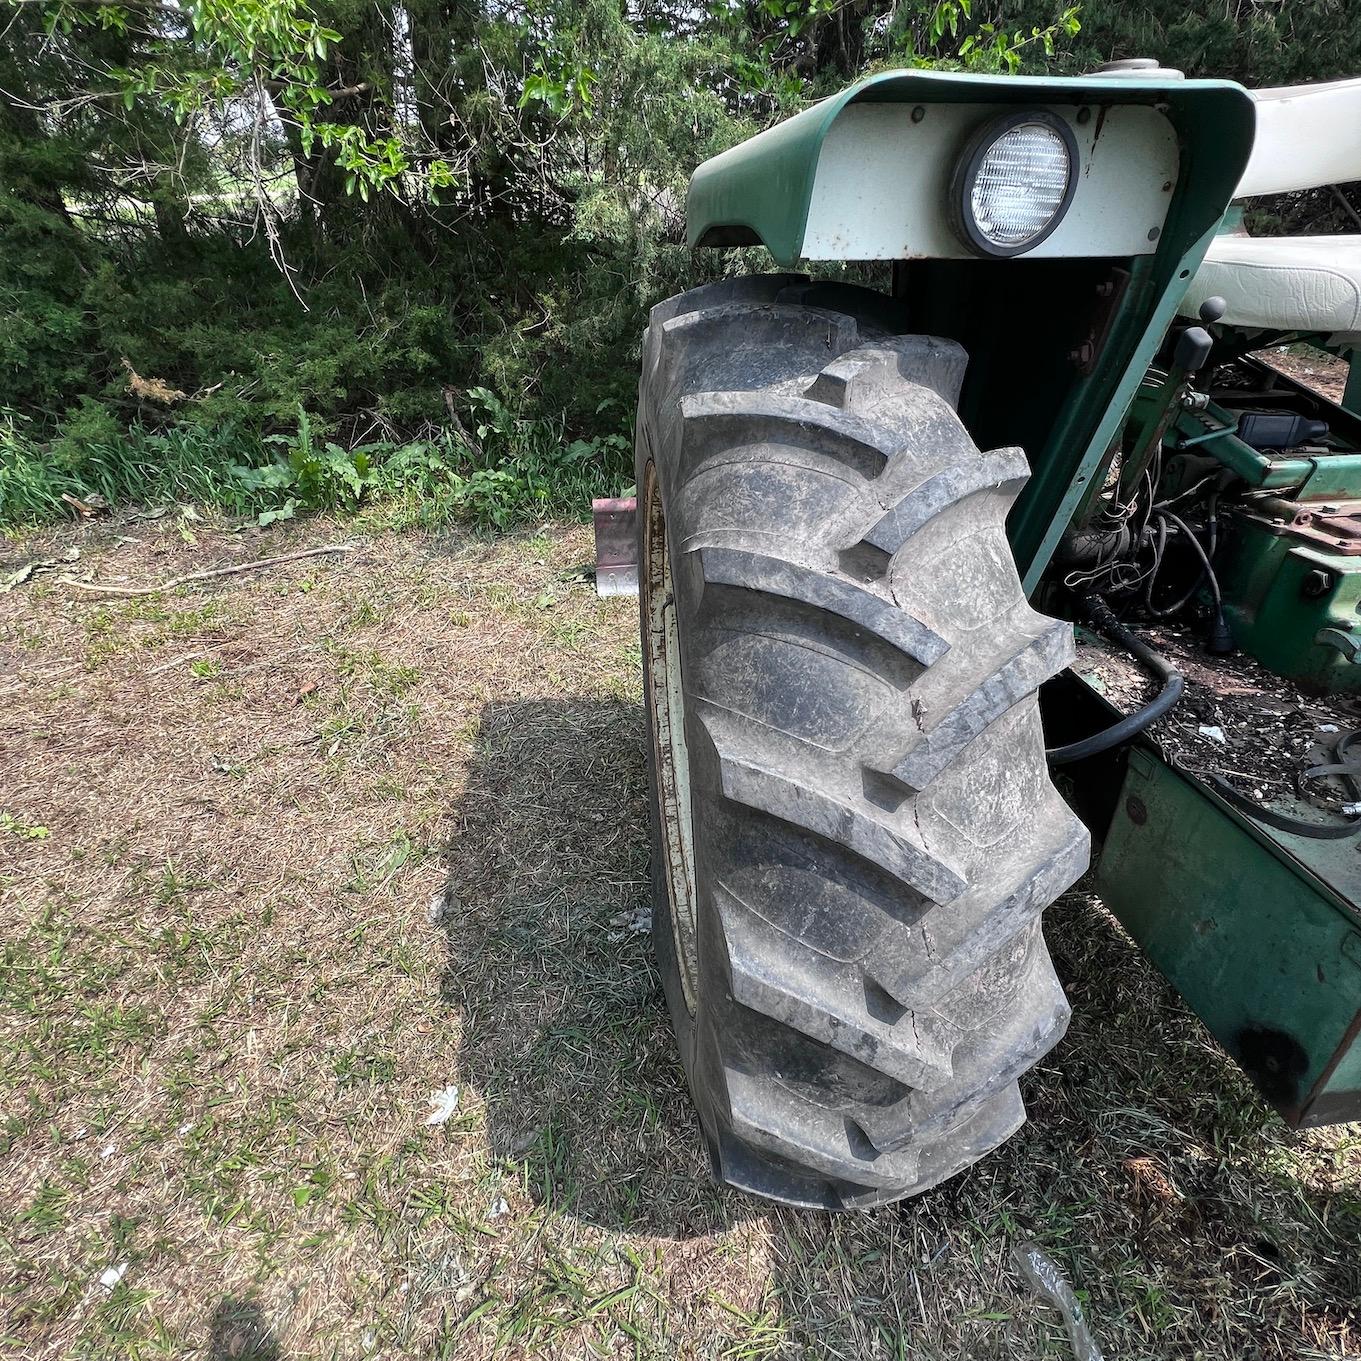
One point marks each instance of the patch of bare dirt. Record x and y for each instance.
(1325, 373)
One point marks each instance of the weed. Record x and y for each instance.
(373, 873)
(20, 827)
(516, 469)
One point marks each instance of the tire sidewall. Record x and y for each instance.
(663, 924)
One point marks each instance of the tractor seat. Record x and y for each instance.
(1283, 283)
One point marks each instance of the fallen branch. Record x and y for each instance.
(208, 575)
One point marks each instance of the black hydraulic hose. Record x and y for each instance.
(1129, 727)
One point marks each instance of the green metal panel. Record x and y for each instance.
(1335, 477)
(765, 184)
(1351, 396)
(1280, 617)
(765, 187)
(1259, 931)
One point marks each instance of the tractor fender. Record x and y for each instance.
(834, 181)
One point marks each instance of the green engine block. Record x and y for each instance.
(1289, 565)
(1291, 576)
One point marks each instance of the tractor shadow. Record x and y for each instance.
(1149, 1168)
(547, 918)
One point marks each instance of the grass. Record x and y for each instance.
(509, 471)
(391, 842)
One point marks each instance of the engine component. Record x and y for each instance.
(1290, 573)
(1278, 429)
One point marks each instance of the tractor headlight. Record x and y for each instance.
(1014, 182)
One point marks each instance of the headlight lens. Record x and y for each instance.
(1015, 182)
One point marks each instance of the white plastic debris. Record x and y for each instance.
(498, 1208)
(108, 1150)
(110, 1277)
(436, 908)
(1047, 1281)
(442, 1105)
(634, 923)
(185, 1128)
(1351, 810)
(1214, 732)
(1328, 727)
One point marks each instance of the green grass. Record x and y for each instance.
(146, 624)
(512, 471)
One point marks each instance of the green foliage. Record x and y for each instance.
(31, 482)
(221, 53)
(1245, 40)
(44, 344)
(137, 467)
(515, 469)
(561, 90)
(991, 47)
(975, 37)
(537, 162)
(275, 255)
(324, 477)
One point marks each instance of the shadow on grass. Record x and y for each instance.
(1148, 1169)
(239, 1332)
(565, 1032)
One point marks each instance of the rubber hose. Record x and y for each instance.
(1129, 727)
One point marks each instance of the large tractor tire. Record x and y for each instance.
(854, 829)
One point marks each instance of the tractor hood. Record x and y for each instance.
(765, 190)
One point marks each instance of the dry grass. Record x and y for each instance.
(283, 855)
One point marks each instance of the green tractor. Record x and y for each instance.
(894, 545)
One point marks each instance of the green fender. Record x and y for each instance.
(760, 190)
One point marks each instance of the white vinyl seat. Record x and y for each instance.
(1284, 283)
(1306, 136)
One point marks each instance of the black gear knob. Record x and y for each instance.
(1212, 309)
(1192, 349)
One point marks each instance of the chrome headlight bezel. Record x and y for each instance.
(970, 163)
